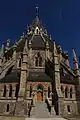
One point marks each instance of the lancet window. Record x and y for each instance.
(71, 92)
(10, 92)
(66, 92)
(4, 93)
(48, 91)
(30, 91)
(38, 61)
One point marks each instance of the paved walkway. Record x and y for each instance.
(41, 111)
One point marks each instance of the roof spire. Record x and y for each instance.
(74, 56)
(75, 59)
(37, 8)
(37, 15)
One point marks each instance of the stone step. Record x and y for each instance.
(55, 118)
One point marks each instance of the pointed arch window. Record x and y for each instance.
(66, 92)
(48, 92)
(7, 108)
(10, 92)
(38, 61)
(68, 108)
(30, 91)
(17, 90)
(71, 92)
(20, 62)
(4, 93)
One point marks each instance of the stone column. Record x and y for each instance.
(73, 93)
(18, 63)
(1, 91)
(43, 95)
(46, 93)
(24, 72)
(7, 90)
(13, 91)
(21, 103)
(57, 92)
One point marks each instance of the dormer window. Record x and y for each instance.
(38, 60)
(37, 30)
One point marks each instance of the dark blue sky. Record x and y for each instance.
(60, 17)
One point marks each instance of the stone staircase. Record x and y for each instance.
(40, 110)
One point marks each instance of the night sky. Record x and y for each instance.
(60, 17)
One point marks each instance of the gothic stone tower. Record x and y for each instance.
(35, 69)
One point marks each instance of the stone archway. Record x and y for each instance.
(39, 92)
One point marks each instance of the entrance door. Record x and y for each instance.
(39, 96)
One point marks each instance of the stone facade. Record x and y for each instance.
(36, 68)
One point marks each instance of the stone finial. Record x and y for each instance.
(2, 49)
(74, 56)
(16, 43)
(67, 62)
(47, 45)
(7, 45)
(59, 49)
(54, 49)
(50, 37)
(30, 43)
(22, 37)
(75, 61)
(23, 34)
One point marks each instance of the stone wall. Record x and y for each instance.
(7, 103)
(69, 102)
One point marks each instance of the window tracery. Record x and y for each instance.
(38, 60)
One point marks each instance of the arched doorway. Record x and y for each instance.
(40, 92)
